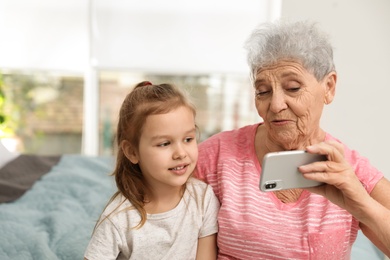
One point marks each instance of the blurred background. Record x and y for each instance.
(65, 67)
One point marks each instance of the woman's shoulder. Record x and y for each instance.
(348, 152)
(237, 131)
(368, 174)
(239, 135)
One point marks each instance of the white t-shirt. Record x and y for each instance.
(169, 235)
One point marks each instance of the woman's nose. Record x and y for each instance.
(278, 101)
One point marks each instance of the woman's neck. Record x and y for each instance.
(264, 144)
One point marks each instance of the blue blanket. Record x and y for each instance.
(55, 218)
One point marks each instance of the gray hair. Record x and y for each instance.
(298, 41)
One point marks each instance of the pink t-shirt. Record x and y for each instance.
(255, 224)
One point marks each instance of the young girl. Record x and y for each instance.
(159, 210)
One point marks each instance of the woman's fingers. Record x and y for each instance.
(332, 149)
(335, 171)
(342, 186)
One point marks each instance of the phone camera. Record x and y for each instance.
(270, 185)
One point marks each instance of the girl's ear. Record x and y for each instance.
(330, 91)
(129, 152)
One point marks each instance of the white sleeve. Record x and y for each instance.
(105, 242)
(210, 214)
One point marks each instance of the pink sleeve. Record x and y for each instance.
(367, 173)
(206, 169)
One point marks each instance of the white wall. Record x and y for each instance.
(175, 37)
(180, 37)
(360, 32)
(44, 35)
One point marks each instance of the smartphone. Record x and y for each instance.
(280, 170)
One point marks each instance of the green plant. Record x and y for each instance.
(5, 129)
(2, 99)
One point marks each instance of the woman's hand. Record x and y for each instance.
(342, 186)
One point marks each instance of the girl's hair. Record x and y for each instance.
(298, 41)
(144, 100)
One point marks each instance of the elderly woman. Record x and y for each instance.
(294, 77)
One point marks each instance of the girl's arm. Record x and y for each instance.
(207, 248)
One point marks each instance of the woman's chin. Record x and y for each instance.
(286, 140)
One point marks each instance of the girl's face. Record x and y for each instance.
(290, 100)
(168, 149)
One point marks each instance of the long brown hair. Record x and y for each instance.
(144, 100)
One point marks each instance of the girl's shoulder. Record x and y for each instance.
(118, 203)
(196, 184)
(199, 188)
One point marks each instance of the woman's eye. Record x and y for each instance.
(294, 89)
(293, 86)
(260, 93)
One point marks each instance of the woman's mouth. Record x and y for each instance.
(280, 122)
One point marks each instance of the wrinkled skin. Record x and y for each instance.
(290, 100)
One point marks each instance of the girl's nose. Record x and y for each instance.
(179, 153)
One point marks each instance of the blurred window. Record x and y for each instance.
(223, 101)
(43, 112)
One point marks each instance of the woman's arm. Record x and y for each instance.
(207, 248)
(376, 224)
(344, 189)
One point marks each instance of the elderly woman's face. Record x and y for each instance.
(290, 101)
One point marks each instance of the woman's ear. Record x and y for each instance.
(330, 87)
(129, 151)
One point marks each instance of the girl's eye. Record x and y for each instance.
(163, 144)
(188, 139)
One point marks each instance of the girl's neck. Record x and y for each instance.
(160, 201)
